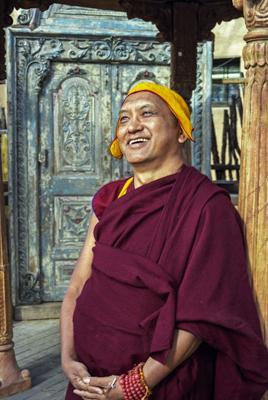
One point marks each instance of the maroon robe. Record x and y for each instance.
(171, 255)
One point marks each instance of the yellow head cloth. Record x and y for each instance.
(175, 102)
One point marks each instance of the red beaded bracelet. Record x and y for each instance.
(133, 384)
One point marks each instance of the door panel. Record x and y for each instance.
(75, 118)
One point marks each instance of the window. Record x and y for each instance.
(226, 81)
(227, 110)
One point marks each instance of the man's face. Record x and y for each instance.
(148, 131)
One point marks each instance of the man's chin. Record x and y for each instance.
(137, 160)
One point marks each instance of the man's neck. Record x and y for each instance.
(143, 176)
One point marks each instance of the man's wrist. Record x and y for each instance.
(154, 372)
(68, 357)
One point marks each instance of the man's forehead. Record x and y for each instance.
(142, 98)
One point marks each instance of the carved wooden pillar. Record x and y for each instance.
(12, 380)
(253, 189)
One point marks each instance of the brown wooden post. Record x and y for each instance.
(12, 380)
(253, 191)
(184, 53)
(184, 44)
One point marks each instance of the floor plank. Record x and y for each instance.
(37, 348)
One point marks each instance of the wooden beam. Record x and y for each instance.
(44, 4)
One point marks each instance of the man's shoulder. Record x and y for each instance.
(106, 195)
(201, 187)
(112, 187)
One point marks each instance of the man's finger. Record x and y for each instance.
(86, 380)
(92, 389)
(89, 394)
(97, 381)
(80, 384)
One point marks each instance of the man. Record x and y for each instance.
(160, 299)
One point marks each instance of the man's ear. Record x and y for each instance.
(182, 138)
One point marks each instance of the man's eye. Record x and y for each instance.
(147, 113)
(123, 119)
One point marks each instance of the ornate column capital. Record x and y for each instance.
(255, 14)
(256, 19)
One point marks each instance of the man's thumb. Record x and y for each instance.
(86, 379)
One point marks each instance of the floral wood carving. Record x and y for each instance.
(38, 55)
(119, 50)
(75, 220)
(77, 108)
(256, 14)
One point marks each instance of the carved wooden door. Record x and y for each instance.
(64, 95)
(75, 118)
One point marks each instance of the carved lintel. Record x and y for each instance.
(210, 14)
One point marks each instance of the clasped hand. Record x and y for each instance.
(96, 388)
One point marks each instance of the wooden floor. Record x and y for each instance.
(37, 349)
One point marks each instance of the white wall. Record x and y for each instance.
(229, 38)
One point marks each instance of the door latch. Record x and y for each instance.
(43, 157)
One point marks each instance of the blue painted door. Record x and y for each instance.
(66, 84)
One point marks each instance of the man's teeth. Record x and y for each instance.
(139, 140)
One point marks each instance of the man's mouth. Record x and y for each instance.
(137, 140)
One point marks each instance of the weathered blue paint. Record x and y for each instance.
(201, 109)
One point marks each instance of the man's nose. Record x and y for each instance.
(135, 125)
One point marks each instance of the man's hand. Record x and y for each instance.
(75, 371)
(96, 388)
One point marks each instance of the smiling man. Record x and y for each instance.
(159, 303)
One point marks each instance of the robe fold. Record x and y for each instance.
(171, 255)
